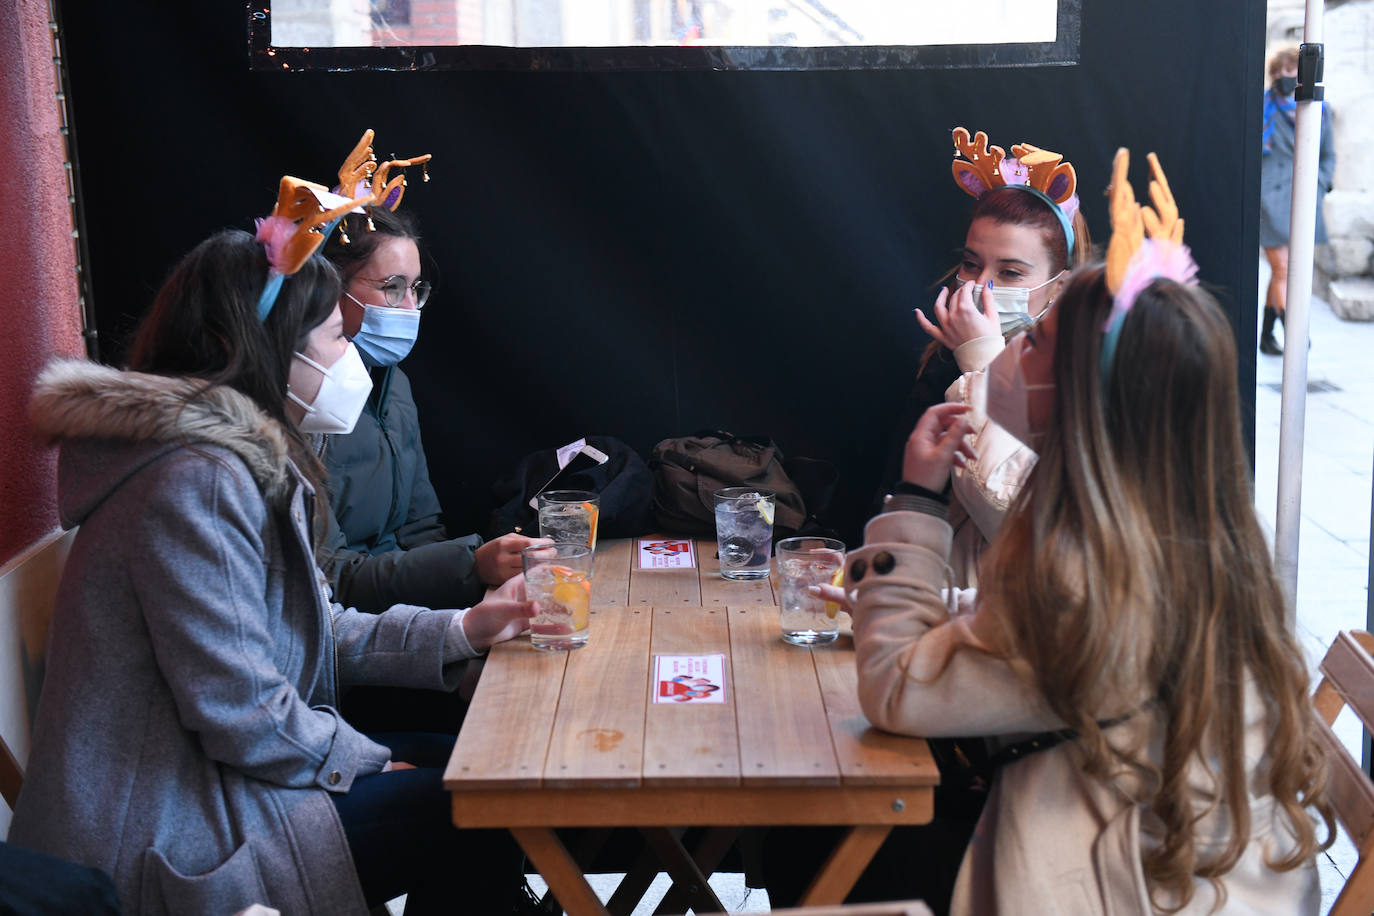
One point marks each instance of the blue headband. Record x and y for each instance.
(272, 288)
(1064, 222)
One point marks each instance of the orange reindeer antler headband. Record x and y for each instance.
(1133, 260)
(306, 213)
(1043, 173)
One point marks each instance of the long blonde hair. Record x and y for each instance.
(1133, 568)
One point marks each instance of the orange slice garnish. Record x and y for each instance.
(832, 608)
(595, 513)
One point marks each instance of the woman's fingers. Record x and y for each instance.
(989, 305)
(833, 593)
(941, 316)
(933, 443)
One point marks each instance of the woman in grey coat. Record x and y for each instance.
(1276, 186)
(187, 740)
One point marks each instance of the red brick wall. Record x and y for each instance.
(438, 22)
(37, 274)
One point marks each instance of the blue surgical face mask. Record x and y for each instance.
(386, 334)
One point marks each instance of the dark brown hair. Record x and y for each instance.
(204, 324)
(1010, 205)
(365, 232)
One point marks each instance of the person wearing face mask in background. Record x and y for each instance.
(1024, 236)
(1276, 186)
(187, 740)
(390, 544)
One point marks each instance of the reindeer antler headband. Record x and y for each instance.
(1040, 172)
(306, 213)
(1133, 260)
(360, 172)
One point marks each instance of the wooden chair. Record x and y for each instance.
(1348, 680)
(28, 590)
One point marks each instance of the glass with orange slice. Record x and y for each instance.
(569, 516)
(807, 619)
(558, 579)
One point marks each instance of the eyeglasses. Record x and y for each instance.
(393, 290)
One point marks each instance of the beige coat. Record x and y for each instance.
(985, 487)
(1051, 840)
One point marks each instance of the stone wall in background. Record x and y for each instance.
(1344, 273)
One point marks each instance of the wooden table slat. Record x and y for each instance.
(519, 684)
(663, 587)
(785, 741)
(716, 589)
(866, 755)
(742, 806)
(611, 572)
(598, 733)
(691, 744)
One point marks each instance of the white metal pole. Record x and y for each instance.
(1302, 228)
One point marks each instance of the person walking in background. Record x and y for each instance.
(1276, 185)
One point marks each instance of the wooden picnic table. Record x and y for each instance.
(574, 739)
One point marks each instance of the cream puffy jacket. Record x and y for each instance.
(985, 487)
(1051, 839)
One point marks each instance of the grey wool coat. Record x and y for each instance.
(1276, 181)
(187, 739)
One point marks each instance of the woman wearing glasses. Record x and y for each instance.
(391, 546)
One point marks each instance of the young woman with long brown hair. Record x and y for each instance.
(1129, 615)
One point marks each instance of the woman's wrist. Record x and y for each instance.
(912, 497)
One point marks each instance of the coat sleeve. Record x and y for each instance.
(919, 672)
(406, 646)
(988, 484)
(203, 585)
(438, 574)
(1326, 163)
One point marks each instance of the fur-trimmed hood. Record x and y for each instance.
(142, 416)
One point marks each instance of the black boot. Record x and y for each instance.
(1268, 345)
(1285, 331)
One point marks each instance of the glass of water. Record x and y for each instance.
(807, 619)
(744, 531)
(558, 579)
(569, 516)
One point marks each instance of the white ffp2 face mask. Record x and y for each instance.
(342, 395)
(1008, 396)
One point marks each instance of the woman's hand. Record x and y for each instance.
(835, 594)
(502, 615)
(960, 318)
(936, 444)
(499, 560)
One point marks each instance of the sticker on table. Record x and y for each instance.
(661, 553)
(689, 678)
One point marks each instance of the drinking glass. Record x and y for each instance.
(744, 531)
(558, 579)
(807, 619)
(569, 516)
